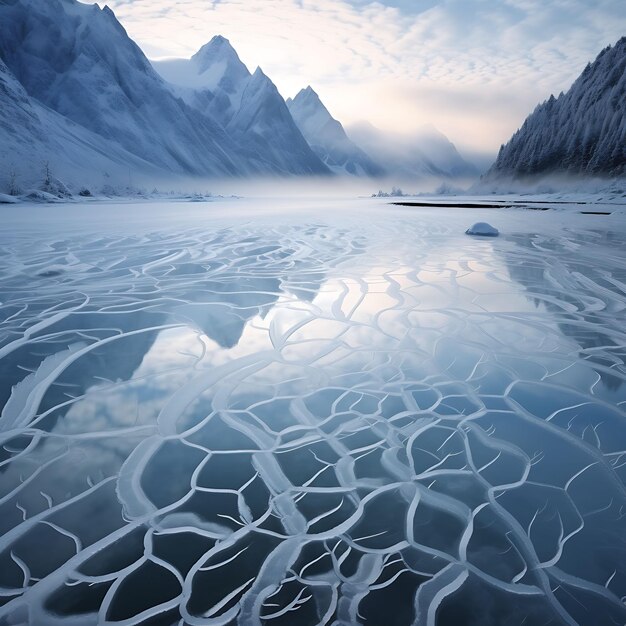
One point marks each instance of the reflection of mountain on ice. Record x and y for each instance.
(234, 279)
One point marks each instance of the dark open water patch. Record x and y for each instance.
(455, 205)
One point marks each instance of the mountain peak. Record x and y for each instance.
(260, 83)
(218, 42)
(218, 60)
(219, 39)
(218, 50)
(259, 77)
(307, 94)
(307, 104)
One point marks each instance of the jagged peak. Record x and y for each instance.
(218, 49)
(308, 93)
(260, 79)
(217, 42)
(219, 39)
(308, 103)
(217, 59)
(258, 83)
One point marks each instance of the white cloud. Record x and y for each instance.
(474, 68)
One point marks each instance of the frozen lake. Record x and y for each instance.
(312, 412)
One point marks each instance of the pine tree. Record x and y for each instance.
(13, 186)
(47, 177)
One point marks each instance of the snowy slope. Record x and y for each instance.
(78, 60)
(216, 83)
(328, 138)
(427, 152)
(31, 135)
(581, 132)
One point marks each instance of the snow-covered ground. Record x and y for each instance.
(308, 411)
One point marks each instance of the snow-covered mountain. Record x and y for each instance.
(79, 93)
(420, 154)
(581, 132)
(78, 60)
(328, 138)
(216, 83)
(264, 124)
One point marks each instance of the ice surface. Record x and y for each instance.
(311, 413)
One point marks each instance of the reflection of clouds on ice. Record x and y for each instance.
(282, 422)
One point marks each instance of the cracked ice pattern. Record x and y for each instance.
(318, 424)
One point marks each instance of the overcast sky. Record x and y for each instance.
(473, 68)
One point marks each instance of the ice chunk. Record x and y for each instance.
(483, 229)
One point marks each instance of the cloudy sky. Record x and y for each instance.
(473, 68)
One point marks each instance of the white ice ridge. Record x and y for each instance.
(325, 421)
